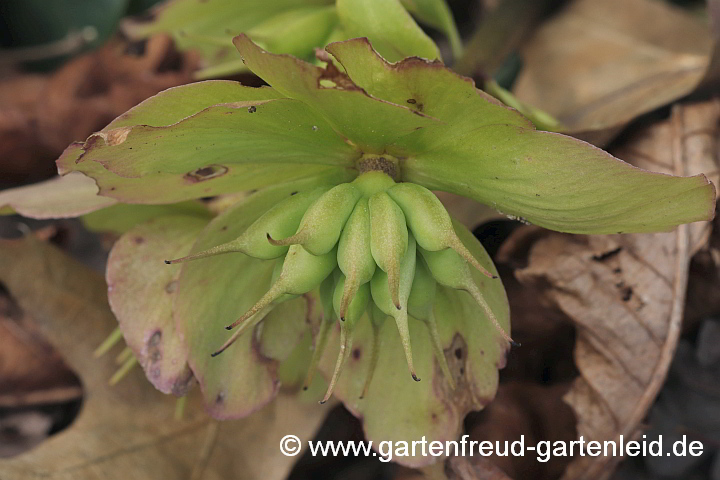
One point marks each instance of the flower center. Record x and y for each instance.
(382, 163)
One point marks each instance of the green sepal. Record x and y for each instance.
(141, 290)
(121, 217)
(367, 122)
(219, 148)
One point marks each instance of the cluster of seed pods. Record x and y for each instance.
(372, 245)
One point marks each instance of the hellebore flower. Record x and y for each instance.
(342, 234)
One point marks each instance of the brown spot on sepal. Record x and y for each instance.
(153, 355)
(171, 287)
(206, 173)
(456, 357)
(155, 338)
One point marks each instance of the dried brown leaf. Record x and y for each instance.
(41, 115)
(128, 431)
(598, 65)
(626, 293)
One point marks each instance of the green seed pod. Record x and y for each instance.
(388, 239)
(327, 288)
(379, 290)
(301, 272)
(450, 269)
(420, 306)
(373, 182)
(354, 312)
(324, 220)
(354, 254)
(377, 318)
(430, 222)
(281, 220)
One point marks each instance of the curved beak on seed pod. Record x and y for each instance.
(324, 220)
(420, 306)
(354, 254)
(388, 240)
(257, 317)
(355, 310)
(450, 269)
(430, 222)
(379, 289)
(281, 220)
(301, 272)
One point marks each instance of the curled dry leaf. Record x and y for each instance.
(598, 65)
(128, 431)
(626, 293)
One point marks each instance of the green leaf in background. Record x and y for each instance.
(297, 31)
(389, 26)
(296, 27)
(208, 27)
(436, 14)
